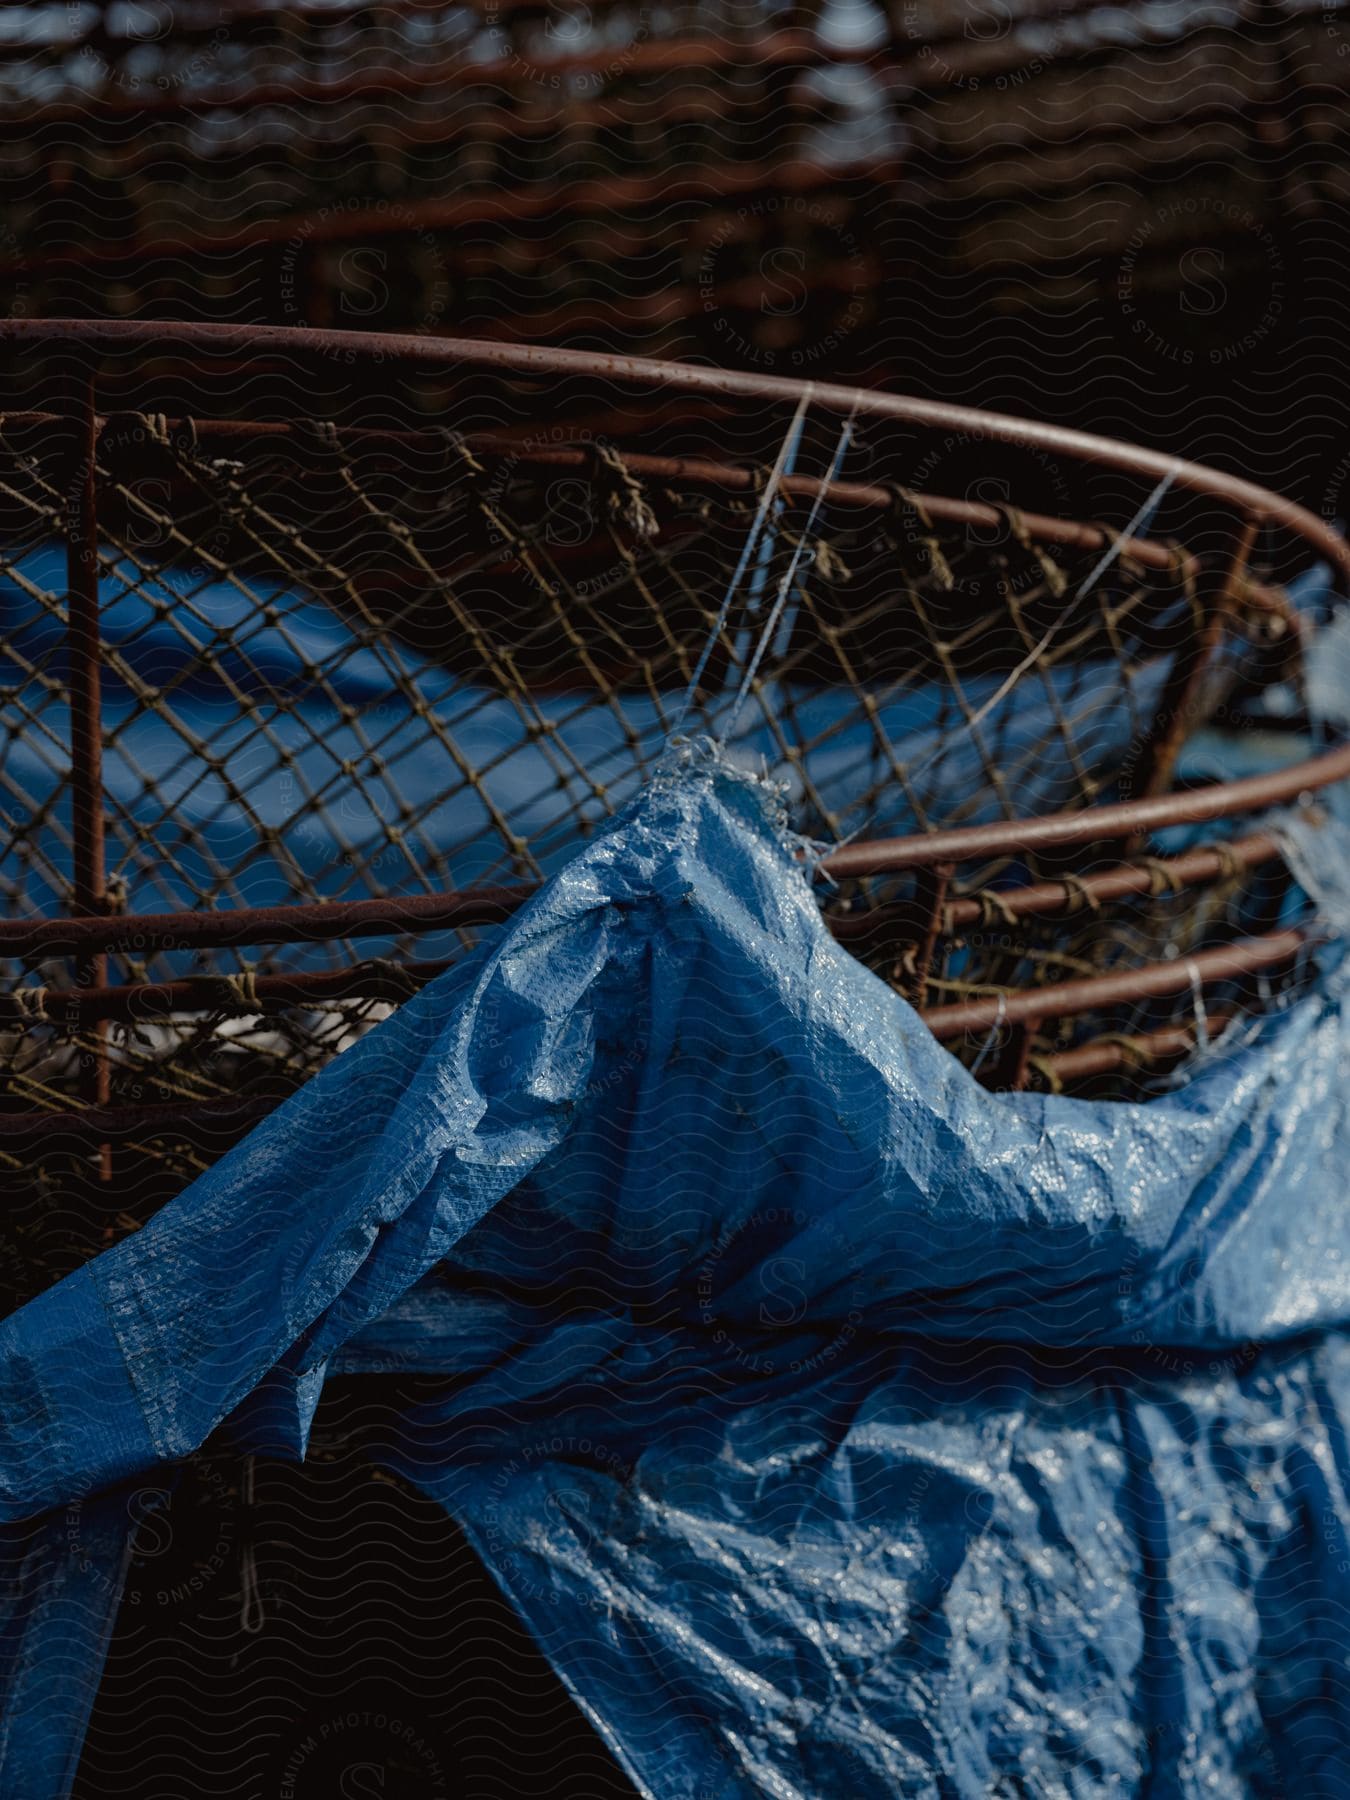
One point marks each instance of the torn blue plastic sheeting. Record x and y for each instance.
(837, 1426)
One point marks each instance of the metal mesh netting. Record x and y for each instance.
(344, 664)
(334, 671)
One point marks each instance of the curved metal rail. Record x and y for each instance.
(92, 934)
(114, 336)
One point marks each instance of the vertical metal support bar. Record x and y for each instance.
(82, 643)
(1178, 707)
(930, 896)
(84, 651)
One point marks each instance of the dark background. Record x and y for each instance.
(1127, 218)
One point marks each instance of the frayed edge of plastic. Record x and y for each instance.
(1297, 828)
(703, 757)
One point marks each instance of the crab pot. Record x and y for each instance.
(324, 650)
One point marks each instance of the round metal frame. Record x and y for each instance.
(934, 857)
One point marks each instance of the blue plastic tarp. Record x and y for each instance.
(837, 1426)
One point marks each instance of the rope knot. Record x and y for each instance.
(31, 1004)
(906, 507)
(994, 909)
(1162, 878)
(624, 494)
(1230, 866)
(829, 562)
(242, 991)
(1078, 896)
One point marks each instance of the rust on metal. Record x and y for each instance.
(85, 653)
(1065, 999)
(145, 934)
(1108, 1056)
(1043, 899)
(1149, 770)
(930, 899)
(696, 471)
(1010, 1019)
(251, 342)
(1018, 1013)
(1192, 806)
(519, 449)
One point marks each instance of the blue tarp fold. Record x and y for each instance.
(837, 1426)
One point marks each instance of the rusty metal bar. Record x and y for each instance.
(84, 651)
(252, 343)
(227, 996)
(1071, 534)
(152, 933)
(1065, 999)
(222, 994)
(1042, 899)
(1155, 980)
(201, 1119)
(930, 899)
(1108, 1056)
(912, 189)
(1195, 806)
(697, 471)
(500, 205)
(149, 934)
(1149, 765)
(701, 472)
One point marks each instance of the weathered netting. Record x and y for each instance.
(343, 664)
(1001, 953)
(559, 612)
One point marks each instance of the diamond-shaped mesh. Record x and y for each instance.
(347, 663)
(381, 669)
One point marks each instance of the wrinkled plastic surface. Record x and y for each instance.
(838, 1427)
